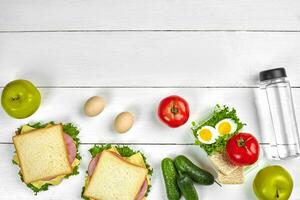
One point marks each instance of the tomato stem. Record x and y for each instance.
(241, 142)
(174, 110)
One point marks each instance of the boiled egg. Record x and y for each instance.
(226, 126)
(207, 135)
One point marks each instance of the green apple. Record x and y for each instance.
(273, 183)
(20, 99)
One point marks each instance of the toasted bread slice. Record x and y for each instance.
(115, 179)
(222, 164)
(42, 154)
(235, 177)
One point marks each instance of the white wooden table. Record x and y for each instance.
(133, 53)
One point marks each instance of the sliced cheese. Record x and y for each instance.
(136, 159)
(26, 129)
(57, 180)
(114, 149)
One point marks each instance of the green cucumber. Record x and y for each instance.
(187, 188)
(184, 165)
(170, 176)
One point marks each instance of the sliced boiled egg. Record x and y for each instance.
(207, 135)
(226, 126)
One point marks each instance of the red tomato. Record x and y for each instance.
(174, 111)
(242, 149)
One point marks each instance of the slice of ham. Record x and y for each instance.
(71, 147)
(143, 191)
(93, 164)
(91, 169)
(72, 151)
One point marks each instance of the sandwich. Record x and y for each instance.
(46, 154)
(227, 172)
(117, 173)
(222, 163)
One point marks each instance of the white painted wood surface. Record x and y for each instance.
(31, 15)
(146, 58)
(133, 53)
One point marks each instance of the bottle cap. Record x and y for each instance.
(272, 74)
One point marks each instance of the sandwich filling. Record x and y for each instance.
(71, 142)
(135, 158)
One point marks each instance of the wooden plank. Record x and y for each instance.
(14, 189)
(28, 15)
(188, 59)
(66, 105)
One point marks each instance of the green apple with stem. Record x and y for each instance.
(20, 99)
(273, 183)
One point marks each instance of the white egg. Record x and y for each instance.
(207, 135)
(226, 126)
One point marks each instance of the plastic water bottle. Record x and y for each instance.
(277, 115)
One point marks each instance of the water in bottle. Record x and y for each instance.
(277, 118)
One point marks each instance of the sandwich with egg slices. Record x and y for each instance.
(117, 173)
(46, 154)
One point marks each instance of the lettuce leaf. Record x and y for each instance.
(72, 131)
